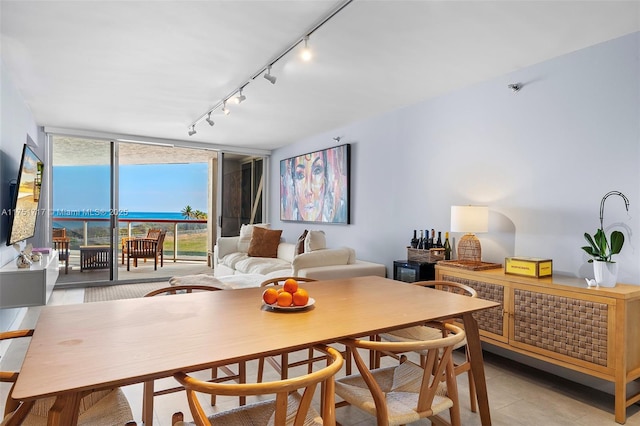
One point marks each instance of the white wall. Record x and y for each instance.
(541, 159)
(16, 125)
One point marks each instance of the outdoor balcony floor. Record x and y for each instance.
(144, 271)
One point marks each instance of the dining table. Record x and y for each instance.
(76, 349)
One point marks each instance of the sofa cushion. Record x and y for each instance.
(246, 232)
(352, 256)
(263, 265)
(287, 251)
(231, 259)
(326, 257)
(264, 242)
(300, 243)
(315, 240)
(225, 246)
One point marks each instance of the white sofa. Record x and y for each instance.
(230, 258)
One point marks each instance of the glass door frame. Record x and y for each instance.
(114, 232)
(112, 221)
(221, 187)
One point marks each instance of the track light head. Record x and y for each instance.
(192, 130)
(305, 54)
(225, 110)
(270, 78)
(209, 120)
(239, 98)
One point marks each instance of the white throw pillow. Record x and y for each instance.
(246, 231)
(315, 240)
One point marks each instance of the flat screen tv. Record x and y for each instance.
(26, 197)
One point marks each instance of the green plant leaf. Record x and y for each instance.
(617, 241)
(591, 242)
(601, 241)
(589, 250)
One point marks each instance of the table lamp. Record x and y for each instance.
(469, 219)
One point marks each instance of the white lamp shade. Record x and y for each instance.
(469, 219)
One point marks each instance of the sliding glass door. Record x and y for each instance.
(84, 206)
(106, 192)
(241, 190)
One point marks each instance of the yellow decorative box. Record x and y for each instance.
(528, 266)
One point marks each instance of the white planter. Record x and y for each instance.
(605, 273)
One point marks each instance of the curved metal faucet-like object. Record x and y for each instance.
(626, 204)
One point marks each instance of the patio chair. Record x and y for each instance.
(152, 234)
(407, 392)
(108, 406)
(61, 244)
(149, 247)
(293, 399)
(420, 332)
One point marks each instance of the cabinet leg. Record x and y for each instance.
(621, 402)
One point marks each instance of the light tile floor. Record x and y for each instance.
(518, 395)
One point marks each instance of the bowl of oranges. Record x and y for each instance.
(290, 297)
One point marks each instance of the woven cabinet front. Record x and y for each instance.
(572, 327)
(490, 320)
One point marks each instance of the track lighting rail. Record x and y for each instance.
(266, 69)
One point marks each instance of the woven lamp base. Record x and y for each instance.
(469, 248)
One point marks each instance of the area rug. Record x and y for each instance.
(131, 291)
(120, 291)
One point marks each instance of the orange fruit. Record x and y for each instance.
(300, 297)
(270, 296)
(285, 298)
(290, 285)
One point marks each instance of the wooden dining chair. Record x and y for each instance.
(108, 406)
(240, 377)
(421, 332)
(283, 366)
(406, 392)
(292, 404)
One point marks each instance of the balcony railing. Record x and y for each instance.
(184, 240)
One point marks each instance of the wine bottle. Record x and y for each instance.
(432, 240)
(439, 242)
(421, 240)
(447, 247)
(414, 240)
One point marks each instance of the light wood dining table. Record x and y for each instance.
(80, 348)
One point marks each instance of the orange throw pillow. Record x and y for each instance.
(264, 242)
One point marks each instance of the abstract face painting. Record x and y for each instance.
(314, 187)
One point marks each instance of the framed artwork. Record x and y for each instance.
(314, 187)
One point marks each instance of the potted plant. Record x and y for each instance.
(601, 249)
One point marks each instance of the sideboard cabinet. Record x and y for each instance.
(560, 320)
(21, 287)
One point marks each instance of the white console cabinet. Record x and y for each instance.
(28, 286)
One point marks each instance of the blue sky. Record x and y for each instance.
(143, 188)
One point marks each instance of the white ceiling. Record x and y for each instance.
(151, 68)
